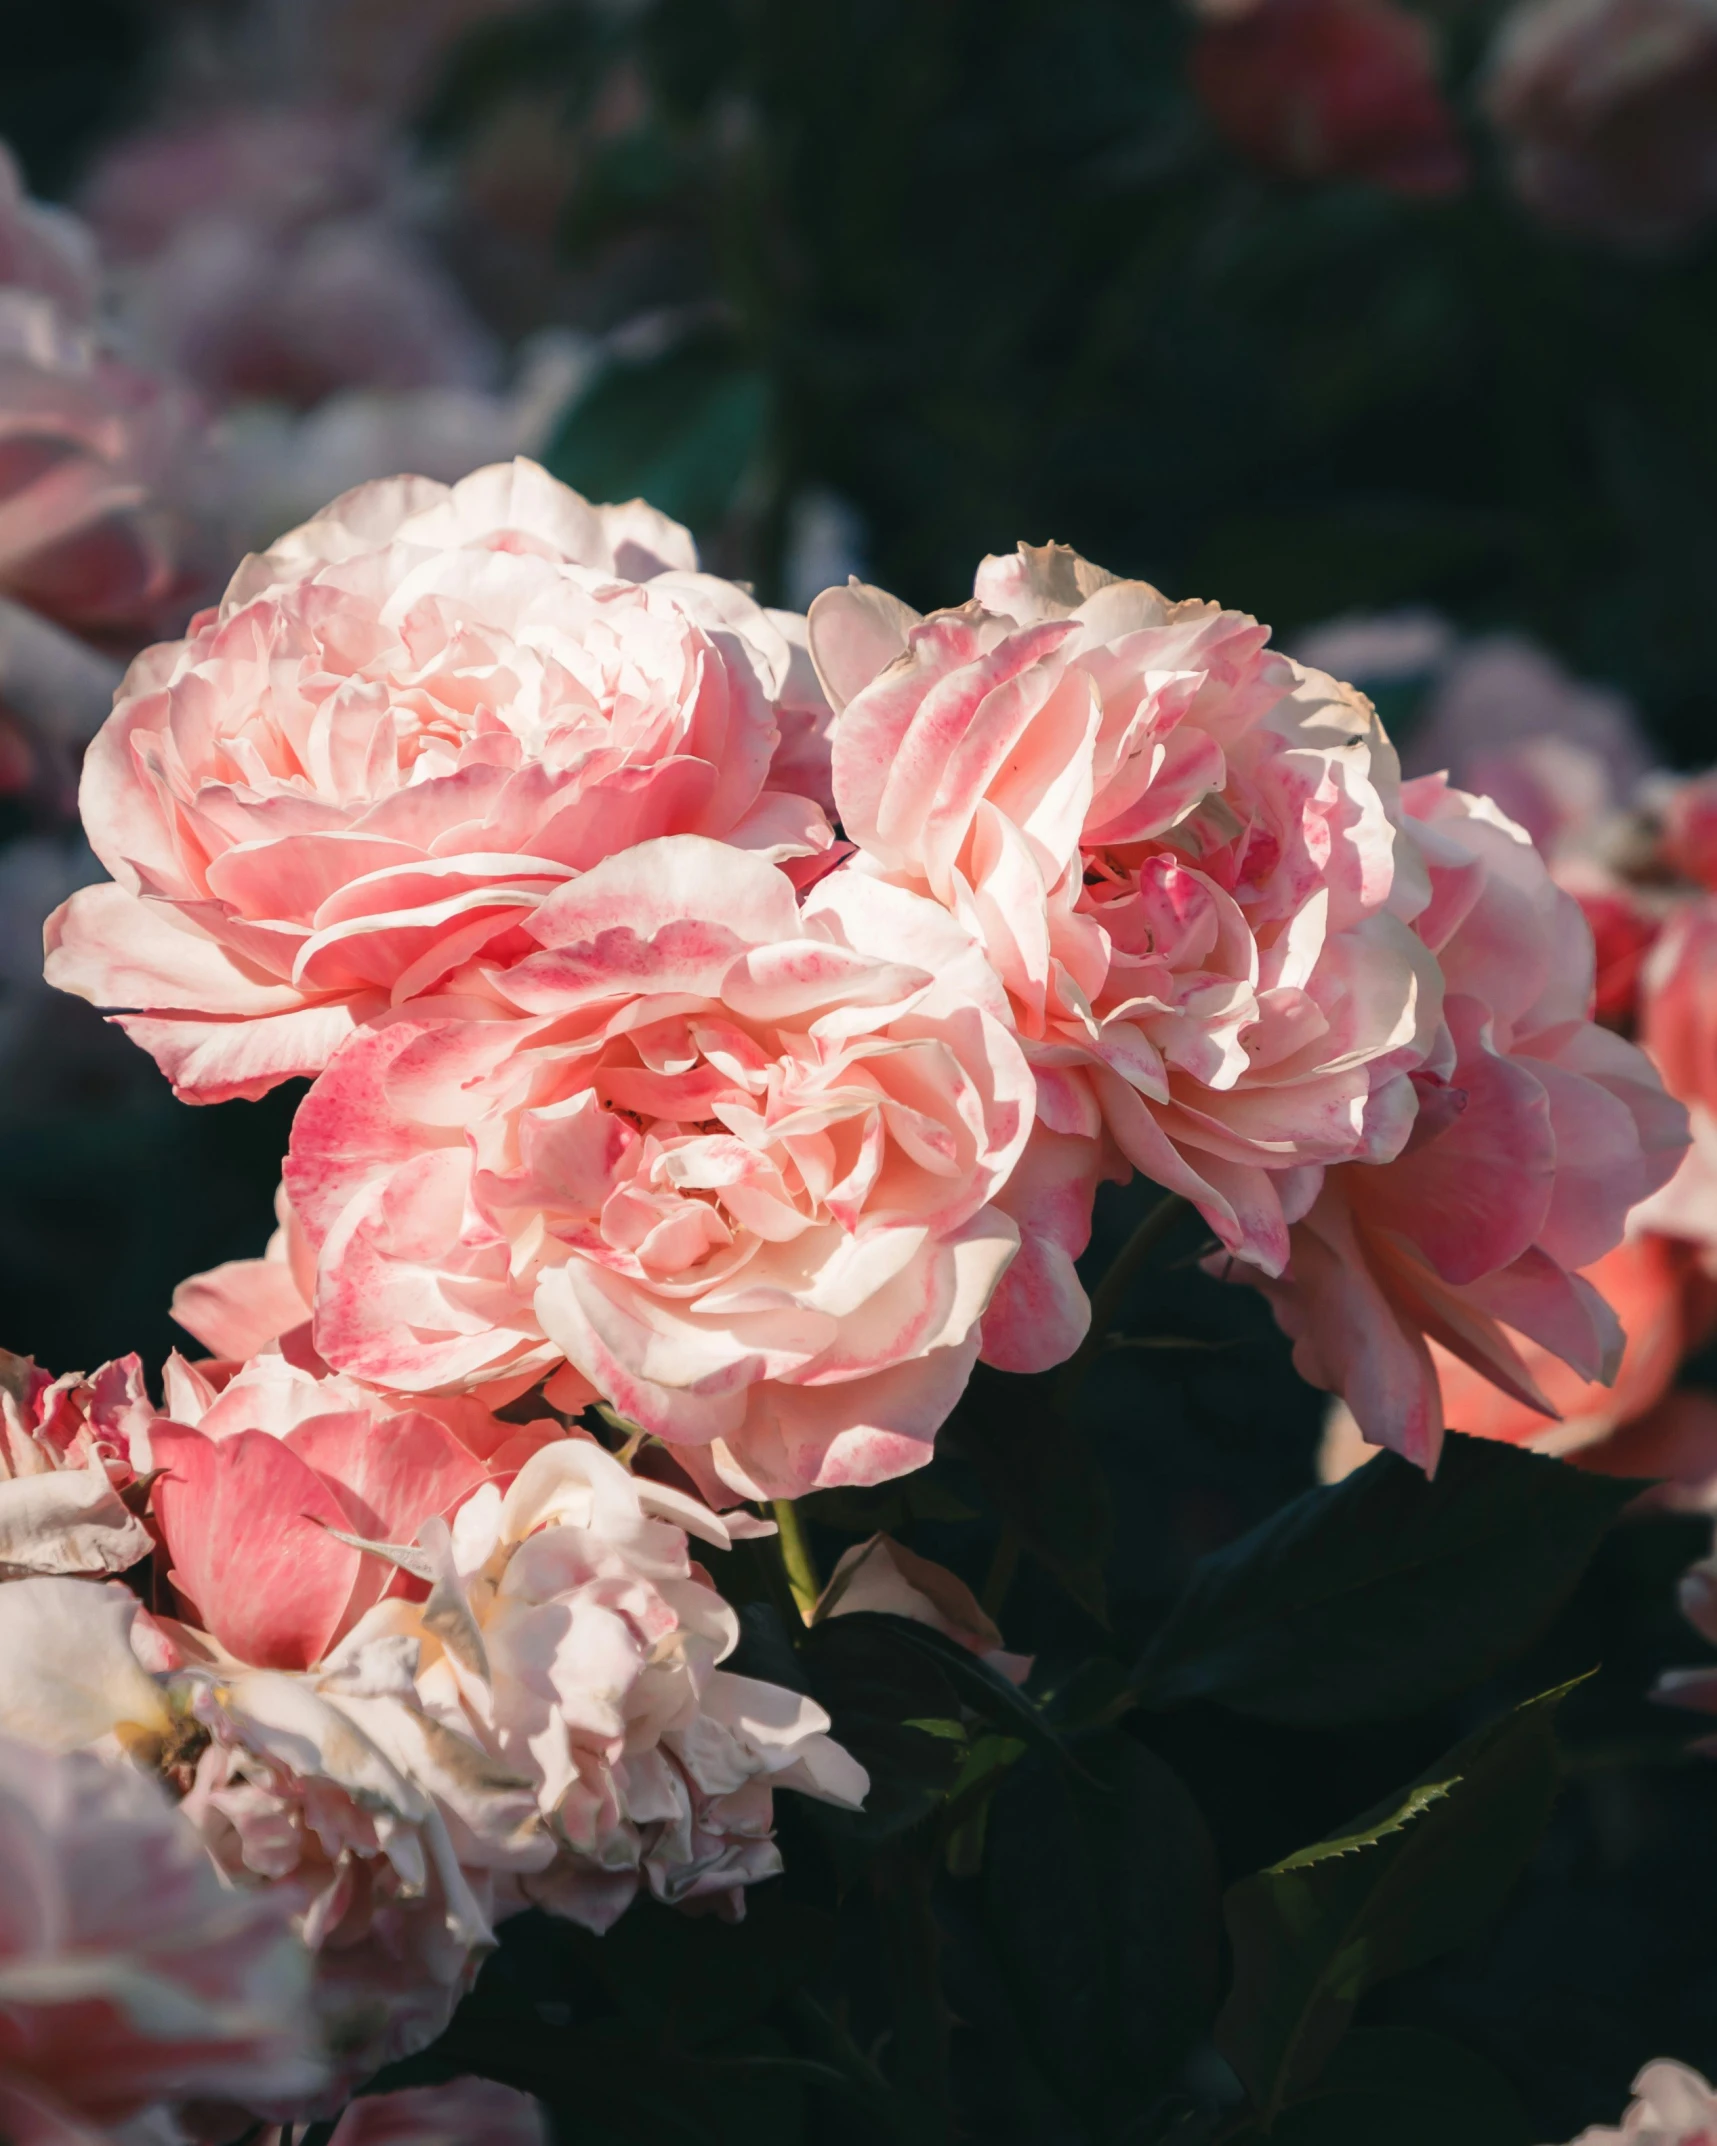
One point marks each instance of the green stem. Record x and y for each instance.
(796, 1559)
(1111, 1292)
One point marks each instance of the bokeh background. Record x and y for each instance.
(1396, 327)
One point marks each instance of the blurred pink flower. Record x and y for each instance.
(574, 1638)
(463, 2112)
(378, 1831)
(1536, 1132)
(731, 1161)
(99, 472)
(1174, 845)
(1561, 756)
(1608, 110)
(1678, 1003)
(66, 1451)
(1672, 2106)
(405, 725)
(1326, 89)
(268, 256)
(129, 1974)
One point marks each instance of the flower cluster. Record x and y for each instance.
(463, 802)
(666, 1156)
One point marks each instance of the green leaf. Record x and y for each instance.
(1406, 2087)
(1422, 1873)
(682, 430)
(990, 1696)
(1383, 1594)
(879, 1693)
(1101, 1908)
(1040, 1474)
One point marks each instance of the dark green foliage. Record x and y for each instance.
(1385, 1593)
(1424, 1872)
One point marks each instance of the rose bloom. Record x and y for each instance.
(1174, 846)
(570, 1632)
(129, 1974)
(404, 726)
(1325, 89)
(1666, 1300)
(66, 1452)
(387, 1834)
(1608, 110)
(380, 1832)
(1536, 1132)
(267, 1470)
(731, 1161)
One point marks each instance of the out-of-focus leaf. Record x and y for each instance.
(1039, 1472)
(681, 430)
(1101, 1901)
(1422, 1873)
(1384, 1593)
(1406, 2088)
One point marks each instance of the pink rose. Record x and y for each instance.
(1536, 1132)
(329, 1789)
(1173, 845)
(1664, 1300)
(264, 1474)
(576, 1641)
(403, 727)
(129, 1974)
(66, 1452)
(731, 1161)
(1321, 89)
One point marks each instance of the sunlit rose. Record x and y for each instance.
(1536, 1133)
(733, 1162)
(570, 1632)
(1175, 847)
(66, 1453)
(406, 725)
